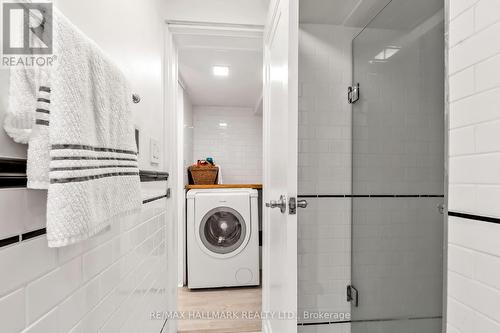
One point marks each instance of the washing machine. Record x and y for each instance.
(222, 238)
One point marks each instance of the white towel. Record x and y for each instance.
(23, 90)
(85, 135)
(94, 175)
(37, 168)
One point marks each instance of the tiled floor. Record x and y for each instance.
(224, 300)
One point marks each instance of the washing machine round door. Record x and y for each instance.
(223, 230)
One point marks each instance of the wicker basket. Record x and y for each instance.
(203, 174)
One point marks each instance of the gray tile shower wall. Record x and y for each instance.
(324, 169)
(324, 114)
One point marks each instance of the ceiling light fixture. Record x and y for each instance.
(220, 70)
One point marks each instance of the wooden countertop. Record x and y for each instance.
(255, 186)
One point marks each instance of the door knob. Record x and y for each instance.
(281, 204)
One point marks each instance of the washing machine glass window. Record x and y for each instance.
(222, 230)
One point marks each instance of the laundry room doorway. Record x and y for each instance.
(232, 92)
(214, 74)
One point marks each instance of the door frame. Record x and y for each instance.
(170, 127)
(174, 125)
(174, 129)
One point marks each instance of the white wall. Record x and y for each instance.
(237, 148)
(474, 150)
(218, 11)
(113, 281)
(324, 168)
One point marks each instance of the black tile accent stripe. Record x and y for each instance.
(42, 111)
(43, 100)
(43, 88)
(154, 199)
(13, 171)
(23, 237)
(13, 182)
(475, 217)
(33, 234)
(9, 241)
(371, 196)
(12, 166)
(366, 320)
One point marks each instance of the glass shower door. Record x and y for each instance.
(398, 170)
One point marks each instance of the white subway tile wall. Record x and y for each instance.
(110, 283)
(324, 246)
(474, 157)
(233, 137)
(21, 210)
(324, 114)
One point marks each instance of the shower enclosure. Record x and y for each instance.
(398, 180)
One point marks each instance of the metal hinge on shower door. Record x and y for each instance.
(353, 93)
(352, 295)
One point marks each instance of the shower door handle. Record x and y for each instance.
(281, 203)
(353, 94)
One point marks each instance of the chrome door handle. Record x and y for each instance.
(294, 203)
(302, 203)
(281, 204)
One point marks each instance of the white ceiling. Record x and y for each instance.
(221, 11)
(358, 13)
(242, 54)
(352, 13)
(241, 49)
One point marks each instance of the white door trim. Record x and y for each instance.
(284, 12)
(170, 158)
